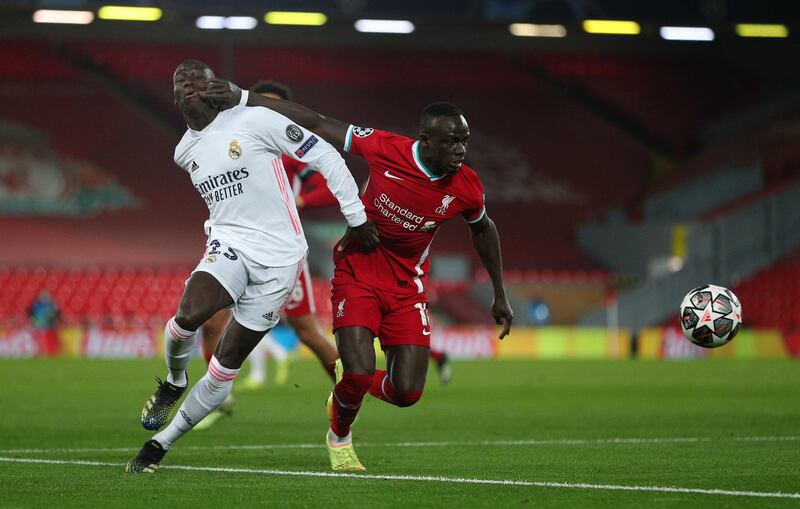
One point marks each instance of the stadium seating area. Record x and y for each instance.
(521, 157)
(519, 137)
(131, 296)
(772, 297)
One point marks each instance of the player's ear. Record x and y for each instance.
(423, 138)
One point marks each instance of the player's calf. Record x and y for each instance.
(347, 397)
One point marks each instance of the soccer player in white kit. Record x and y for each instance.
(255, 249)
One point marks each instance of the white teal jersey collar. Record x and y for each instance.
(424, 169)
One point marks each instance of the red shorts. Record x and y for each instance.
(396, 320)
(301, 301)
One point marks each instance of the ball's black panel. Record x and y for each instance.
(703, 335)
(722, 304)
(722, 326)
(699, 288)
(689, 319)
(701, 299)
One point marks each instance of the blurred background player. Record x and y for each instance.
(414, 187)
(255, 250)
(310, 191)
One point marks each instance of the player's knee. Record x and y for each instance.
(190, 317)
(408, 398)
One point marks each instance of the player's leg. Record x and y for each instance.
(212, 332)
(405, 337)
(310, 335)
(266, 288)
(404, 379)
(211, 390)
(257, 373)
(280, 355)
(204, 295)
(207, 394)
(300, 316)
(443, 365)
(358, 360)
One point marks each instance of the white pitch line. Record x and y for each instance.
(557, 441)
(427, 478)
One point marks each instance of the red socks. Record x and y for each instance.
(347, 397)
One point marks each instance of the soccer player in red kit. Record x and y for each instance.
(414, 187)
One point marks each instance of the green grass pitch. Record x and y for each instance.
(559, 434)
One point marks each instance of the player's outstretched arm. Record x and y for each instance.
(487, 245)
(223, 94)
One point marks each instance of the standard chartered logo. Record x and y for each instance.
(402, 216)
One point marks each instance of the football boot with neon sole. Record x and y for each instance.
(343, 457)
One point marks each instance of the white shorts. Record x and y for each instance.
(259, 293)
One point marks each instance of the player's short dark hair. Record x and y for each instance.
(192, 63)
(272, 87)
(436, 110)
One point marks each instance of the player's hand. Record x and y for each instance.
(503, 315)
(366, 234)
(299, 202)
(221, 94)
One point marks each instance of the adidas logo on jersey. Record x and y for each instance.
(268, 316)
(195, 166)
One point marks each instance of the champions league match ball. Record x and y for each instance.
(710, 316)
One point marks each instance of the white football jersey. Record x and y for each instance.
(235, 165)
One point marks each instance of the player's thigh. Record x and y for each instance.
(407, 366)
(357, 317)
(407, 323)
(219, 279)
(356, 349)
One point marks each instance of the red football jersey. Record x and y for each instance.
(408, 204)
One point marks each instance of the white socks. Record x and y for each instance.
(207, 394)
(178, 348)
(337, 441)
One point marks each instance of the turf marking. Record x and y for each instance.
(558, 441)
(426, 478)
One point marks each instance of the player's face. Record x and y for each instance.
(187, 81)
(446, 143)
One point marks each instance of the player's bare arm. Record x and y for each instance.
(487, 245)
(223, 94)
